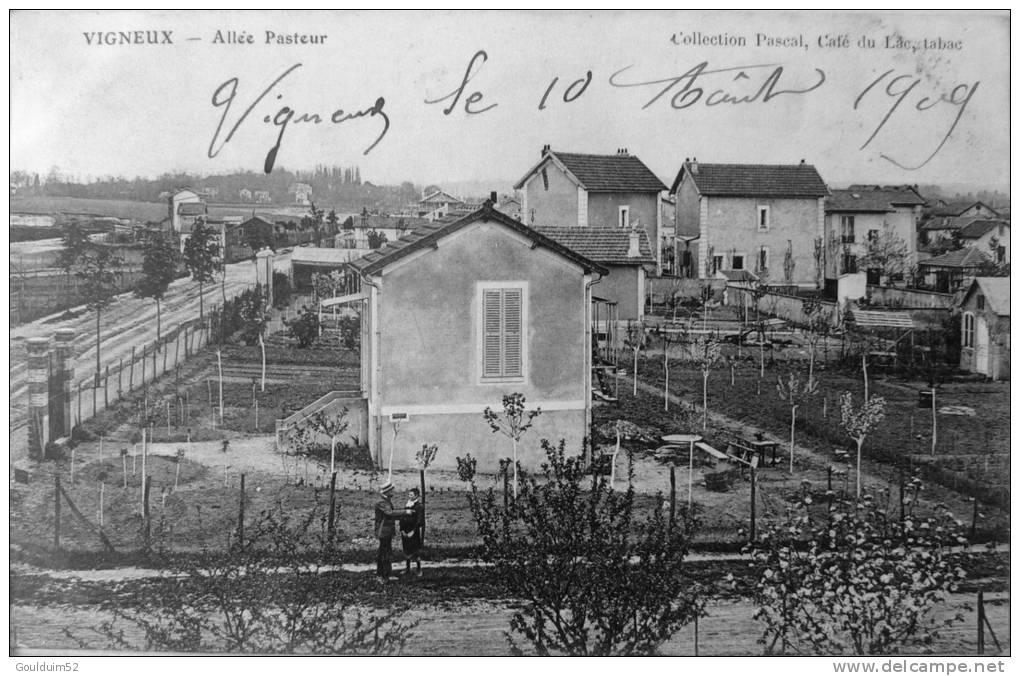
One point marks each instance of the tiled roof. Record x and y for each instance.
(948, 222)
(191, 208)
(376, 222)
(967, 257)
(981, 227)
(440, 196)
(897, 194)
(957, 208)
(604, 173)
(602, 245)
(430, 234)
(996, 290)
(754, 180)
(254, 220)
(853, 200)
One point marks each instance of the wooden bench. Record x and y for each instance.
(718, 455)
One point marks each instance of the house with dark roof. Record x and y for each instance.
(984, 327)
(760, 217)
(948, 272)
(963, 209)
(864, 216)
(460, 312)
(990, 235)
(593, 191)
(626, 254)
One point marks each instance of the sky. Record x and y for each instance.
(925, 101)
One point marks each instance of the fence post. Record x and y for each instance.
(79, 404)
(754, 514)
(981, 623)
(106, 388)
(973, 520)
(177, 347)
(120, 374)
(143, 367)
(330, 528)
(56, 512)
(155, 350)
(131, 371)
(672, 496)
(240, 515)
(145, 509)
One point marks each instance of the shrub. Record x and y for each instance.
(304, 328)
(853, 579)
(267, 596)
(593, 580)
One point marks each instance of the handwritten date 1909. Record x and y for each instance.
(224, 96)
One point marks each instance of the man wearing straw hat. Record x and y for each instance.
(385, 529)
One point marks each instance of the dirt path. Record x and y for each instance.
(478, 628)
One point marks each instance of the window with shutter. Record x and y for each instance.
(502, 340)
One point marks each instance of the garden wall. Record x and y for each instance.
(890, 296)
(782, 305)
(659, 289)
(39, 293)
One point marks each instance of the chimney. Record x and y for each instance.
(621, 151)
(492, 198)
(802, 161)
(546, 150)
(634, 247)
(694, 165)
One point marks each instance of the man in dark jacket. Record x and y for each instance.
(385, 529)
(411, 527)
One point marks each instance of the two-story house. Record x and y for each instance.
(765, 218)
(593, 191)
(866, 218)
(989, 235)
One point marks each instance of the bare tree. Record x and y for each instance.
(707, 352)
(636, 339)
(859, 422)
(794, 391)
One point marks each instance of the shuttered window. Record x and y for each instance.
(502, 333)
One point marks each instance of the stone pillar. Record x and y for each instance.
(38, 396)
(264, 273)
(61, 420)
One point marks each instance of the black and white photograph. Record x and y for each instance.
(479, 333)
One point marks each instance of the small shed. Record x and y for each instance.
(948, 271)
(984, 327)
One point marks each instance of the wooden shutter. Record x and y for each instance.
(492, 357)
(512, 322)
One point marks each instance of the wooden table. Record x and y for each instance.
(686, 439)
(762, 447)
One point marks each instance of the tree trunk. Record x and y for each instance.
(704, 400)
(864, 370)
(793, 424)
(201, 302)
(665, 388)
(159, 323)
(811, 361)
(515, 469)
(262, 344)
(860, 442)
(934, 419)
(761, 353)
(99, 314)
(635, 372)
(219, 366)
(612, 469)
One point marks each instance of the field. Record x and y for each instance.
(37, 204)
